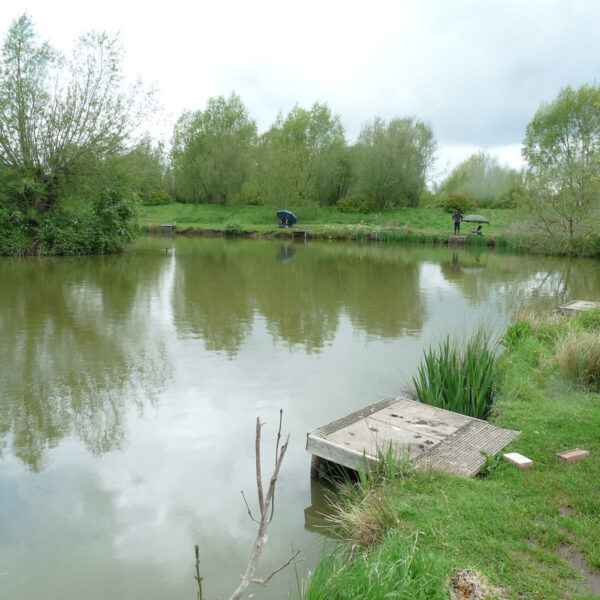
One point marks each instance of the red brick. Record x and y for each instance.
(570, 456)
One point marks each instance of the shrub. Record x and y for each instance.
(458, 379)
(16, 230)
(101, 227)
(157, 197)
(460, 202)
(578, 355)
(359, 203)
(233, 227)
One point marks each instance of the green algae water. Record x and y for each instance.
(130, 387)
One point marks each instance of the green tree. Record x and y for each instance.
(562, 149)
(482, 178)
(62, 123)
(213, 152)
(304, 158)
(391, 161)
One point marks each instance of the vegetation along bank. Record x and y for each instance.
(74, 167)
(509, 533)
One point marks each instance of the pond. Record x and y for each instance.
(130, 387)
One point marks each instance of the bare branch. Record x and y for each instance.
(259, 486)
(288, 562)
(248, 508)
(264, 502)
(276, 454)
(198, 578)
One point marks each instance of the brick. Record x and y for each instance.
(570, 456)
(518, 459)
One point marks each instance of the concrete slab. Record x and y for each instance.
(577, 306)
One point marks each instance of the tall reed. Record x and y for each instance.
(458, 378)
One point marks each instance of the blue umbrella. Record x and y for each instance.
(284, 215)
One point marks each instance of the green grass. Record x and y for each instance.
(509, 527)
(323, 221)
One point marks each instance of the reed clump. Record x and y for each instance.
(459, 378)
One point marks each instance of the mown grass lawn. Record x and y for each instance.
(263, 218)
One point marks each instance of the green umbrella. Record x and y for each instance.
(475, 219)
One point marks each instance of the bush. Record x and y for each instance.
(458, 379)
(460, 202)
(358, 203)
(157, 197)
(101, 227)
(233, 227)
(16, 231)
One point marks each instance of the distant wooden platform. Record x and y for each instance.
(434, 437)
(165, 228)
(457, 239)
(577, 306)
(299, 233)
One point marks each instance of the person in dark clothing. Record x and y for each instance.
(457, 218)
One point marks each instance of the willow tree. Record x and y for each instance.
(562, 149)
(391, 161)
(303, 157)
(63, 122)
(213, 151)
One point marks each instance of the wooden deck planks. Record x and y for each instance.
(434, 437)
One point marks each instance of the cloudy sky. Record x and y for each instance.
(476, 71)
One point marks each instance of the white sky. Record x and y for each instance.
(475, 70)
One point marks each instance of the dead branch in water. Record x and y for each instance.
(265, 504)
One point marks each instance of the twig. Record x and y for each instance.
(266, 579)
(276, 455)
(248, 508)
(198, 578)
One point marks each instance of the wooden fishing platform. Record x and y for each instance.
(457, 239)
(299, 233)
(433, 437)
(166, 228)
(577, 306)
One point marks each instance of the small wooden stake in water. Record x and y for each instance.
(198, 578)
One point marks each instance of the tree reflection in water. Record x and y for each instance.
(79, 348)
(85, 340)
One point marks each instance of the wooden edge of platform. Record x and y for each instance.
(347, 457)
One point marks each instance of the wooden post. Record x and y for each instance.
(316, 464)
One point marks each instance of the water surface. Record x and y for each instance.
(130, 386)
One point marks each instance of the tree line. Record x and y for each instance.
(73, 165)
(218, 157)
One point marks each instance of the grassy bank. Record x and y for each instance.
(428, 225)
(511, 534)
